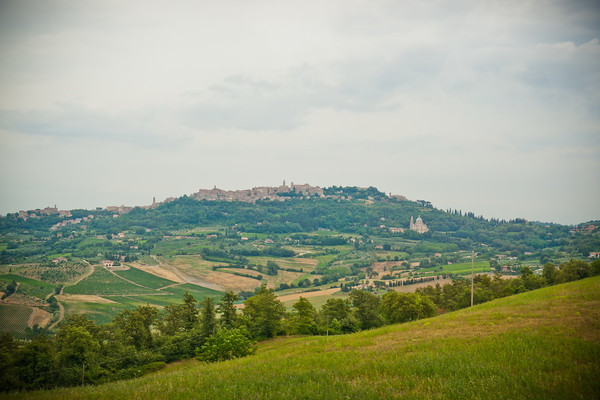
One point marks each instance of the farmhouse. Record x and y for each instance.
(107, 263)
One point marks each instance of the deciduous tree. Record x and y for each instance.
(264, 313)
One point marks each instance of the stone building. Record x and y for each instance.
(418, 226)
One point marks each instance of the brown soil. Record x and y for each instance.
(385, 267)
(159, 271)
(232, 282)
(84, 298)
(18, 298)
(39, 317)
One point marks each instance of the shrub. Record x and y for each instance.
(226, 345)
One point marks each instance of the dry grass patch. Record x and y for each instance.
(159, 271)
(308, 295)
(39, 317)
(24, 300)
(385, 267)
(282, 277)
(83, 298)
(191, 265)
(413, 287)
(307, 264)
(232, 282)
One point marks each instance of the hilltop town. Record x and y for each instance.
(275, 193)
(282, 192)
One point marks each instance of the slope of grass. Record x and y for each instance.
(28, 286)
(102, 282)
(144, 278)
(541, 344)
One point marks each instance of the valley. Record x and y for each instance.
(351, 239)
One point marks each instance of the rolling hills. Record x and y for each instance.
(540, 344)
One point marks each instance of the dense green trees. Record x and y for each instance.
(403, 307)
(366, 309)
(226, 345)
(177, 318)
(263, 313)
(574, 270)
(303, 318)
(227, 310)
(134, 325)
(208, 317)
(336, 317)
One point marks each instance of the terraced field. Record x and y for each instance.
(126, 289)
(101, 283)
(13, 318)
(144, 278)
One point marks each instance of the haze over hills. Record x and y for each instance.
(272, 193)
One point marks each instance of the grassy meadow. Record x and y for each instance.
(539, 345)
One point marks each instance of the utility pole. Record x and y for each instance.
(472, 275)
(83, 374)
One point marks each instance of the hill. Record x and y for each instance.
(539, 344)
(103, 261)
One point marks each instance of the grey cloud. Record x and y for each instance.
(362, 85)
(75, 122)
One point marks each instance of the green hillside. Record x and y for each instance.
(540, 344)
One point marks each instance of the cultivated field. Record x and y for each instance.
(14, 318)
(105, 293)
(102, 282)
(196, 267)
(29, 287)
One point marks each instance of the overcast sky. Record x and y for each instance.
(485, 106)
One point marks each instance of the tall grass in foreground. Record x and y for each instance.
(541, 344)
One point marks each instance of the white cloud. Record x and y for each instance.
(470, 105)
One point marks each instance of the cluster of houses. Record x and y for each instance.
(258, 193)
(71, 221)
(586, 230)
(25, 215)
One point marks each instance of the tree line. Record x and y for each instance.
(146, 338)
